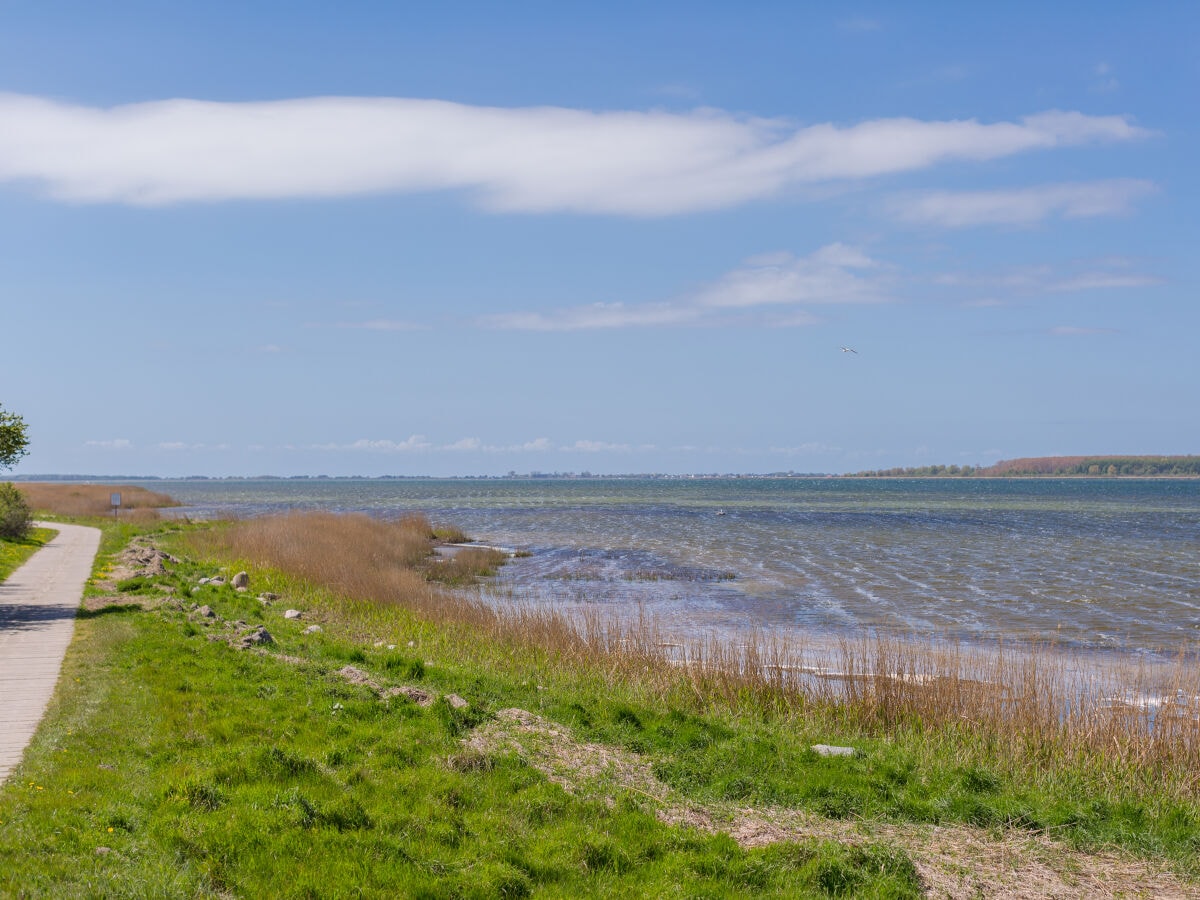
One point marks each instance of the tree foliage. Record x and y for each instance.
(14, 439)
(15, 516)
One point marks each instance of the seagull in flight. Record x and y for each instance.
(850, 350)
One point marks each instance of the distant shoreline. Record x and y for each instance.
(731, 476)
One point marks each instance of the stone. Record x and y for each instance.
(241, 580)
(204, 581)
(312, 629)
(267, 596)
(206, 611)
(828, 750)
(293, 614)
(241, 590)
(218, 580)
(456, 701)
(256, 637)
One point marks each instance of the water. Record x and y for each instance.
(1097, 564)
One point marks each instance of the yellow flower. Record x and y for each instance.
(110, 829)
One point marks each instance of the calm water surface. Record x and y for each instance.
(1103, 564)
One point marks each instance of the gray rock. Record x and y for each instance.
(267, 596)
(204, 581)
(256, 637)
(206, 611)
(828, 750)
(293, 614)
(218, 580)
(456, 701)
(241, 580)
(312, 629)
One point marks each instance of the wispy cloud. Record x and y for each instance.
(418, 443)
(1103, 79)
(1022, 206)
(1043, 279)
(530, 160)
(768, 287)
(113, 444)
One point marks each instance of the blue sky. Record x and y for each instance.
(371, 238)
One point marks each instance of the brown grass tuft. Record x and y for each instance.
(67, 499)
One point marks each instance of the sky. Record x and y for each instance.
(471, 239)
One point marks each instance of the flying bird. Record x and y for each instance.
(850, 350)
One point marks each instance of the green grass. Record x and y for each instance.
(14, 553)
(207, 771)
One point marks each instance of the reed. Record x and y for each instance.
(1033, 705)
(83, 500)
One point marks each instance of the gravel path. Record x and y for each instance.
(37, 618)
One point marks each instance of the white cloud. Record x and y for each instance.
(598, 447)
(596, 315)
(1030, 280)
(415, 442)
(1022, 206)
(532, 159)
(833, 274)
(826, 276)
(114, 444)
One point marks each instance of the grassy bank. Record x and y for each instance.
(13, 553)
(422, 743)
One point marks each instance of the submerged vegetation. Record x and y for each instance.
(421, 741)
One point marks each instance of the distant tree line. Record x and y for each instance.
(920, 472)
(1097, 466)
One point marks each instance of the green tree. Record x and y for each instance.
(14, 441)
(15, 518)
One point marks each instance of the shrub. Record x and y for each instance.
(15, 516)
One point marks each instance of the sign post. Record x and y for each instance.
(116, 504)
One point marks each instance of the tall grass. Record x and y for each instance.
(66, 499)
(1031, 705)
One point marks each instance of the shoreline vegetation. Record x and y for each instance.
(1055, 467)
(398, 733)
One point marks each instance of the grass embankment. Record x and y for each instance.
(175, 764)
(13, 553)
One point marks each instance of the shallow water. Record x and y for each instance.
(1103, 564)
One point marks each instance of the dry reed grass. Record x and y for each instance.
(1036, 704)
(66, 499)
